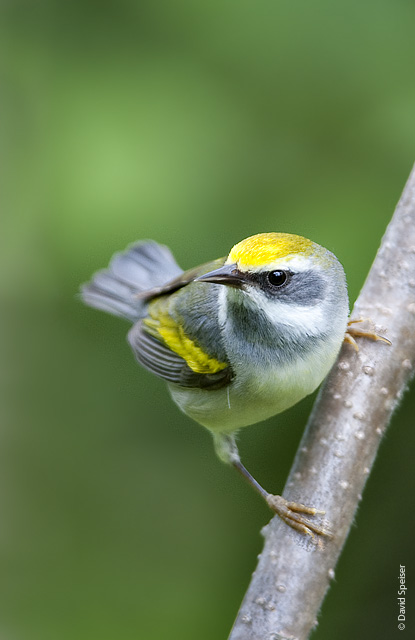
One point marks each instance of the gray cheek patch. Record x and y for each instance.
(305, 289)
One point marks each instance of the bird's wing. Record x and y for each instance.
(159, 358)
(182, 280)
(179, 339)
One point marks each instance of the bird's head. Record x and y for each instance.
(288, 279)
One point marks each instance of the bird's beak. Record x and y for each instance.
(228, 274)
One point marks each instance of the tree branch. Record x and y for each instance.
(339, 444)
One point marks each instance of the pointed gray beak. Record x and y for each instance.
(228, 274)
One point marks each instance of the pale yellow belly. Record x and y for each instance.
(254, 397)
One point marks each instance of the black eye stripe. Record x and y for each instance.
(305, 288)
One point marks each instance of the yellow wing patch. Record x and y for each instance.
(161, 325)
(264, 248)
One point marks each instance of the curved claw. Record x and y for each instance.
(289, 512)
(352, 333)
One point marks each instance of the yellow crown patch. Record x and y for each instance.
(265, 248)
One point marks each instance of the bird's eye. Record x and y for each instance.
(277, 278)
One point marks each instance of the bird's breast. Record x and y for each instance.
(258, 390)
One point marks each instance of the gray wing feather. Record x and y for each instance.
(145, 265)
(163, 362)
(181, 280)
(119, 289)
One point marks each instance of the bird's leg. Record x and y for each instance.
(352, 333)
(245, 473)
(290, 512)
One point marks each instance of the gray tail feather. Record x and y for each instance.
(141, 267)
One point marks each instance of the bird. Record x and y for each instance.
(238, 339)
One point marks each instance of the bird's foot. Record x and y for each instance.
(291, 513)
(352, 333)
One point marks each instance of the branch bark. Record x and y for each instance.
(339, 445)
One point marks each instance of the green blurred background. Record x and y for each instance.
(196, 124)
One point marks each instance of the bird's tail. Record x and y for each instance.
(143, 266)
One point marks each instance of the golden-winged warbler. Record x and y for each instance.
(238, 339)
